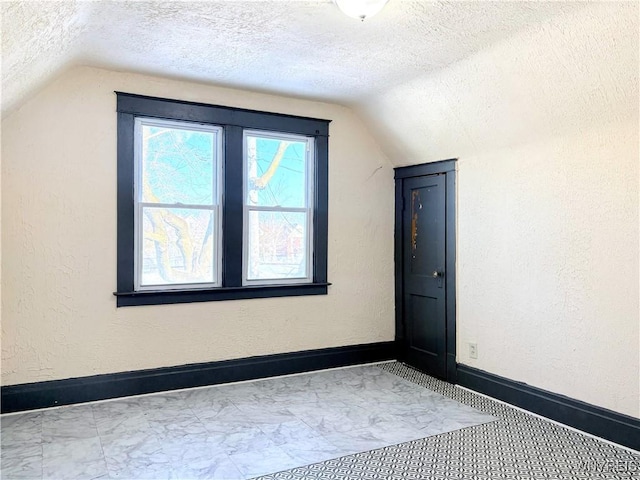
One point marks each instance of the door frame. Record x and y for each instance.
(447, 168)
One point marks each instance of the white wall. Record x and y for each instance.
(545, 126)
(59, 317)
(548, 264)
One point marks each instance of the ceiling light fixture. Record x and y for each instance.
(360, 8)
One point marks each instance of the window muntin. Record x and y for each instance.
(278, 208)
(177, 204)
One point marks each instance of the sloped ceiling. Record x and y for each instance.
(398, 70)
(572, 73)
(297, 48)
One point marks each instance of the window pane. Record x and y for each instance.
(178, 246)
(276, 172)
(277, 245)
(177, 165)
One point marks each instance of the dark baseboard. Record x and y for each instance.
(607, 424)
(30, 396)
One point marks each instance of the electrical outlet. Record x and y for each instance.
(473, 350)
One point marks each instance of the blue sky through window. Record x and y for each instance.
(287, 187)
(178, 166)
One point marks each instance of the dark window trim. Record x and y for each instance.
(141, 105)
(155, 297)
(233, 120)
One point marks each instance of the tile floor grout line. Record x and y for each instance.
(104, 457)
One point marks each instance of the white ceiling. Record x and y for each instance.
(431, 80)
(300, 48)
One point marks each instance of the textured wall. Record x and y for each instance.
(59, 244)
(548, 264)
(545, 126)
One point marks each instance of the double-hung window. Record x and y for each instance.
(278, 208)
(218, 203)
(177, 205)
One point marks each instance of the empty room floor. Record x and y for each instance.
(374, 421)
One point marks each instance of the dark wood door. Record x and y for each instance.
(423, 273)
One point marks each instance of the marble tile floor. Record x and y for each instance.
(235, 431)
(518, 445)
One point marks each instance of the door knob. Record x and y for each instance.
(437, 274)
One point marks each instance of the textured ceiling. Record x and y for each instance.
(562, 77)
(301, 48)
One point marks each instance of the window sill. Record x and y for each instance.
(162, 297)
